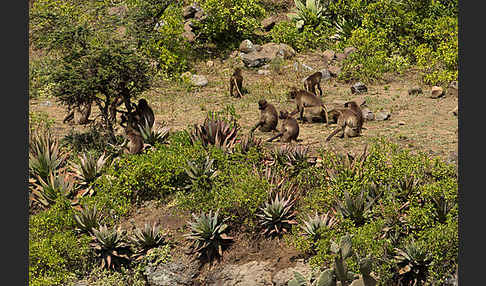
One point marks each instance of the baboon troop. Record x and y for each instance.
(289, 130)
(309, 107)
(349, 121)
(268, 117)
(236, 82)
(313, 81)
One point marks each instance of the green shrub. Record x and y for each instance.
(308, 38)
(230, 21)
(39, 120)
(56, 253)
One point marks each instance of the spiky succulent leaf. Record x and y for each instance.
(326, 278)
(298, 280)
(87, 219)
(147, 237)
(278, 215)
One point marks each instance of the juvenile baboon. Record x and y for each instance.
(135, 139)
(144, 113)
(79, 112)
(350, 121)
(268, 117)
(312, 81)
(311, 104)
(236, 80)
(289, 130)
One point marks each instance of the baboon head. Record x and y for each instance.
(293, 92)
(142, 103)
(237, 71)
(262, 103)
(284, 114)
(351, 104)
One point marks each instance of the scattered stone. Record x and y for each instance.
(367, 114)
(452, 158)
(349, 50)
(415, 90)
(453, 89)
(359, 87)
(382, 115)
(246, 46)
(326, 75)
(282, 277)
(436, 92)
(199, 80)
(334, 70)
(171, 274)
(340, 57)
(209, 64)
(234, 54)
(454, 84)
(266, 67)
(268, 52)
(263, 72)
(328, 55)
(401, 122)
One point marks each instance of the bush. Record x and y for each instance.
(56, 253)
(230, 21)
(308, 38)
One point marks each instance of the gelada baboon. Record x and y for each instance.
(116, 103)
(135, 139)
(144, 113)
(312, 106)
(349, 121)
(268, 117)
(312, 81)
(236, 81)
(80, 113)
(289, 130)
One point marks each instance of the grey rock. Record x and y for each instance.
(199, 80)
(359, 87)
(453, 157)
(349, 50)
(382, 115)
(326, 75)
(171, 274)
(334, 70)
(263, 72)
(246, 46)
(302, 67)
(268, 52)
(415, 90)
(367, 114)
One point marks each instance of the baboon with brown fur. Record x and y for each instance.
(116, 103)
(311, 104)
(236, 81)
(312, 81)
(144, 113)
(268, 117)
(289, 130)
(135, 139)
(79, 112)
(350, 121)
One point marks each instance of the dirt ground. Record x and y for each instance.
(417, 122)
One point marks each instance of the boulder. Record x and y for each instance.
(349, 50)
(382, 115)
(248, 274)
(282, 277)
(436, 92)
(247, 46)
(340, 57)
(199, 80)
(171, 274)
(268, 23)
(334, 70)
(326, 75)
(367, 114)
(268, 52)
(358, 87)
(328, 55)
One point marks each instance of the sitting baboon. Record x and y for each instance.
(312, 105)
(80, 113)
(116, 103)
(349, 121)
(268, 117)
(312, 81)
(144, 113)
(135, 139)
(236, 80)
(289, 130)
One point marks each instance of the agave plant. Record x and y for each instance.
(87, 218)
(348, 164)
(354, 207)
(208, 234)
(274, 177)
(48, 191)
(297, 154)
(89, 168)
(215, 132)
(413, 262)
(278, 215)
(249, 141)
(345, 26)
(201, 174)
(311, 13)
(407, 186)
(109, 246)
(147, 237)
(151, 136)
(442, 207)
(45, 155)
(313, 224)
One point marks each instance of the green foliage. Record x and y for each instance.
(54, 187)
(39, 120)
(40, 85)
(87, 218)
(308, 13)
(56, 253)
(229, 21)
(45, 155)
(89, 168)
(147, 237)
(278, 215)
(110, 247)
(201, 174)
(307, 38)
